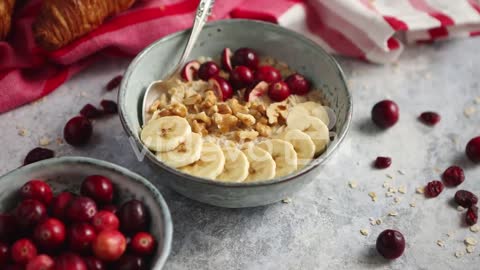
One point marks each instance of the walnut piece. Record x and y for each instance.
(199, 128)
(174, 109)
(209, 100)
(246, 119)
(203, 117)
(225, 122)
(263, 130)
(236, 106)
(246, 135)
(224, 109)
(194, 99)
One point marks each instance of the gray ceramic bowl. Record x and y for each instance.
(67, 173)
(268, 39)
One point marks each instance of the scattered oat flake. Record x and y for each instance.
(287, 200)
(450, 234)
(396, 199)
(352, 184)
(44, 141)
(392, 190)
(373, 195)
(412, 204)
(389, 176)
(475, 228)
(440, 243)
(389, 194)
(378, 221)
(364, 232)
(459, 254)
(470, 241)
(470, 249)
(401, 172)
(393, 214)
(477, 100)
(420, 190)
(460, 208)
(386, 184)
(402, 189)
(469, 111)
(372, 222)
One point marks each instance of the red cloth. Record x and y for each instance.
(359, 28)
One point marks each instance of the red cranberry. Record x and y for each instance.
(298, 84)
(105, 220)
(473, 149)
(453, 176)
(41, 262)
(278, 91)
(471, 217)
(81, 237)
(268, 74)
(38, 154)
(110, 208)
(50, 234)
(4, 254)
(130, 262)
(241, 77)
(143, 244)
(81, 209)
(60, 204)
(99, 188)
(109, 245)
(429, 118)
(37, 190)
(77, 131)
(29, 213)
(190, 70)
(94, 263)
(208, 70)
(70, 261)
(134, 217)
(383, 162)
(114, 83)
(391, 244)
(385, 113)
(433, 189)
(23, 251)
(8, 227)
(90, 111)
(245, 57)
(226, 59)
(465, 198)
(222, 88)
(109, 106)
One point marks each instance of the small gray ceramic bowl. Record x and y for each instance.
(302, 54)
(67, 173)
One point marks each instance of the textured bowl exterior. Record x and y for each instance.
(67, 174)
(302, 54)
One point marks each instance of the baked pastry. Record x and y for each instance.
(6, 10)
(62, 21)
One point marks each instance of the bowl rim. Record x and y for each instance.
(272, 27)
(157, 196)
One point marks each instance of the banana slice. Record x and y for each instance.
(283, 154)
(236, 165)
(316, 110)
(165, 133)
(262, 165)
(210, 164)
(302, 143)
(186, 153)
(300, 118)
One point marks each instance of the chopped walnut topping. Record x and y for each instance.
(174, 109)
(209, 100)
(246, 135)
(246, 119)
(224, 109)
(203, 117)
(263, 130)
(194, 99)
(236, 106)
(199, 127)
(212, 110)
(155, 106)
(225, 122)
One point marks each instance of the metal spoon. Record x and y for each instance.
(153, 90)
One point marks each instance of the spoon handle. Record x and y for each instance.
(203, 11)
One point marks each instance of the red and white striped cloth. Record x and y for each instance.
(368, 29)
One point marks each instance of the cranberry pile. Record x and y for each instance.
(68, 231)
(246, 73)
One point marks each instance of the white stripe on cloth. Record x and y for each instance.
(403, 10)
(460, 11)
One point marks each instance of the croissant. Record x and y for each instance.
(62, 21)
(6, 10)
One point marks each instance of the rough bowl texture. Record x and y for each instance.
(67, 173)
(268, 39)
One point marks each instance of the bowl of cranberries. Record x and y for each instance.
(84, 214)
(244, 63)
